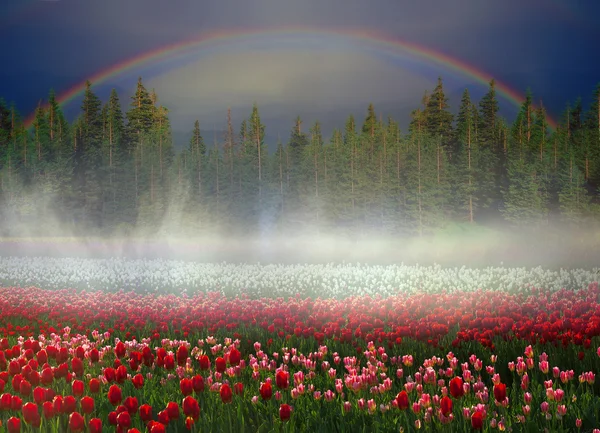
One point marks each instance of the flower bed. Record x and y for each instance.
(326, 281)
(487, 360)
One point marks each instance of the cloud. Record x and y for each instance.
(283, 82)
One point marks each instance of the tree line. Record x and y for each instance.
(110, 172)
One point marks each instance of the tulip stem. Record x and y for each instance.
(229, 418)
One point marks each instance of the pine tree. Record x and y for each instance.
(523, 203)
(313, 181)
(257, 135)
(229, 148)
(438, 118)
(91, 117)
(488, 119)
(139, 116)
(575, 204)
(465, 164)
(297, 145)
(370, 124)
(592, 125)
(41, 134)
(88, 159)
(115, 128)
(197, 154)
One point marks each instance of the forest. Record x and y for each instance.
(115, 172)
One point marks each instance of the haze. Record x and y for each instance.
(445, 138)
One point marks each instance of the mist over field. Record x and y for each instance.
(515, 248)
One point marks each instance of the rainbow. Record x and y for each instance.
(377, 41)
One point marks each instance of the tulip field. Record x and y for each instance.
(160, 346)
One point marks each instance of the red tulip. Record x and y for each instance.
(182, 355)
(16, 381)
(156, 427)
(198, 383)
(500, 392)
(94, 355)
(57, 403)
(189, 423)
(204, 362)
(282, 379)
(456, 387)
(121, 374)
(49, 394)
(146, 413)
(266, 391)
(13, 368)
(87, 405)
(109, 374)
(16, 403)
(42, 356)
(173, 410)
(238, 388)
(78, 388)
(76, 422)
(477, 420)
(138, 381)
(80, 352)
(95, 425)
(13, 425)
(169, 362)
(163, 417)
(124, 420)
(114, 395)
(77, 367)
(47, 376)
(112, 417)
(5, 401)
(285, 412)
(120, 349)
(226, 393)
(220, 364)
(131, 404)
(402, 400)
(94, 385)
(190, 407)
(186, 386)
(48, 409)
(39, 395)
(31, 414)
(69, 404)
(234, 356)
(446, 405)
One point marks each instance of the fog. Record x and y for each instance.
(32, 225)
(511, 248)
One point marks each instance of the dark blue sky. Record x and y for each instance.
(548, 45)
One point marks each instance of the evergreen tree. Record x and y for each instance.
(438, 117)
(140, 115)
(488, 118)
(465, 161)
(196, 160)
(257, 136)
(523, 203)
(297, 145)
(574, 201)
(101, 176)
(592, 125)
(370, 124)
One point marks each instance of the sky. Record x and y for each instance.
(304, 58)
